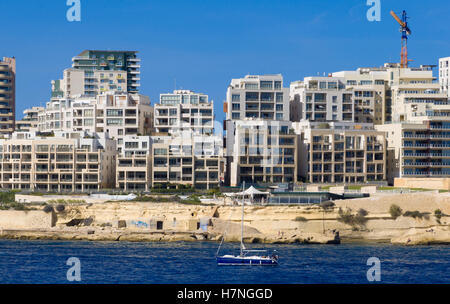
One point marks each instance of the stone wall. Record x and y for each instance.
(11, 219)
(425, 183)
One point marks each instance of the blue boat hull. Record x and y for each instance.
(222, 261)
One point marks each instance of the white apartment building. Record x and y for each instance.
(260, 152)
(117, 114)
(371, 93)
(339, 152)
(321, 99)
(444, 81)
(184, 110)
(258, 97)
(65, 162)
(30, 121)
(392, 87)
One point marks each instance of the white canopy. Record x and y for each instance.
(252, 191)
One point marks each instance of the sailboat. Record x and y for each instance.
(246, 256)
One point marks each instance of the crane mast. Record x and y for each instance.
(405, 30)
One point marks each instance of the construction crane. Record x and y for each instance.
(405, 33)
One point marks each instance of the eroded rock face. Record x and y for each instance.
(424, 236)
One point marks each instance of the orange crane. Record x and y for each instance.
(405, 30)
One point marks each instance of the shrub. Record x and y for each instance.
(414, 214)
(7, 197)
(355, 220)
(345, 217)
(300, 219)
(48, 209)
(438, 215)
(395, 211)
(215, 191)
(362, 212)
(60, 208)
(327, 205)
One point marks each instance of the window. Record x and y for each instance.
(114, 112)
(114, 122)
(235, 97)
(266, 85)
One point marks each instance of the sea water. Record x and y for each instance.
(194, 262)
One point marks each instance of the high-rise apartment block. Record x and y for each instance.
(185, 150)
(94, 72)
(7, 95)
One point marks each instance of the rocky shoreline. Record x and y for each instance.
(423, 219)
(168, 236)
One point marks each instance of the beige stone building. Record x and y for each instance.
(7, 95)
(260, 152)
(186, 159)
(341, 153)
(134, 164)
(67, 162)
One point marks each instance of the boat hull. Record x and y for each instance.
(245, 261)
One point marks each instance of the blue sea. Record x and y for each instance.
(194, 262)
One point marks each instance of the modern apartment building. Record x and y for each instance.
(187, 159)
(260, 152)
(94, 72)
(30, 121)
(118, 114)
(419, 148)
(444, 81)
(371, 93)
(341, 152)
(67, 162)
(259, 97)
(134, 163)
(184, 110)
(385, 89)
(7, 95)
(321, 99)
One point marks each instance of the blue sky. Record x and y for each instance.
(204, 44)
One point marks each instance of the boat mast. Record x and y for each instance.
(242, 221)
